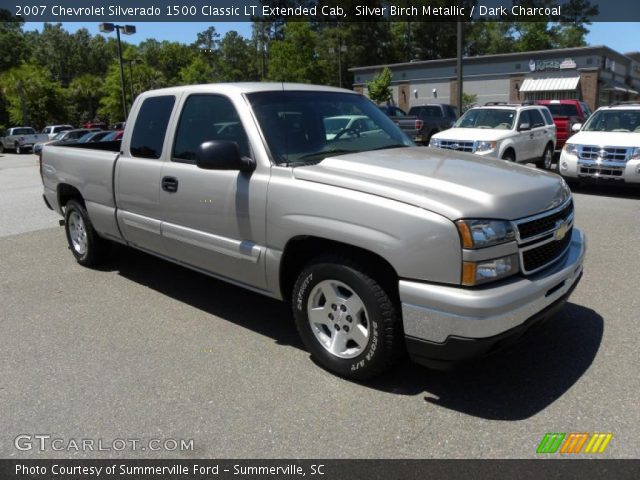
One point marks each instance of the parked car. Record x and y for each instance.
(96, 125)
(566, 113)
(517, 133)
(65, 137)
(392, 111)
(98, 136)
(379, 246)
(113, 135)
(348, 126)
(53, 130)
(20, 139)
(424, 121)
(606, 148)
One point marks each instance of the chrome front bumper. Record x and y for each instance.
(434, 313)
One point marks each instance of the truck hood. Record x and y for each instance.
(606, 139)
(471, 134)
(453, 184)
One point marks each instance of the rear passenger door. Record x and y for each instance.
(524, 141)
(541, 133)
(138, 170)
(214, 219)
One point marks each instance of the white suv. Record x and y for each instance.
(518, 133)
(606, 148)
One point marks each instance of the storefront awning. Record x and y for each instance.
(613, 86)
(550, 84)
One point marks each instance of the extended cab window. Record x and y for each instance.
(151, 126)
(205, 118)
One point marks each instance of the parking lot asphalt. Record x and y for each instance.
(143, 349)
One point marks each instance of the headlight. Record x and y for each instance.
(486, 146)
(434, 142)
(570, 148)
(635, 155)
(476, 273)
(484, 233)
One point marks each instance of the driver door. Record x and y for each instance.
(213, 219)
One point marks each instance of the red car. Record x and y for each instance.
(565, 114)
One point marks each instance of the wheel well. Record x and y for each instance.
(509, 149)
(67, 192)
(299, 251)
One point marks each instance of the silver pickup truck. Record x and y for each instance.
(20, 139)
(381, 247)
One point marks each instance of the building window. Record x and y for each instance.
(517, 66)
(589, 61)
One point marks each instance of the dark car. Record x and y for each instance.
(92, 137)
(63, 138)
(424, 121)
(392, 111)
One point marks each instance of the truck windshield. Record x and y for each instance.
(614, 121)
(23, 131)
(563, 109)
(303, 128)
(487, 118)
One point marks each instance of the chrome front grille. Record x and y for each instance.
(604, 154)
(544, 238)
(604, 162)
(459, 146)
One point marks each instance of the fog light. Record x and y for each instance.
(476, 273)
(564, 166)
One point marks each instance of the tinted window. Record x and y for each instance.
(536, 118)
(615, 120)
(524, 118)
(151, 127)
(432, 111)
(547, 115)
(205, 118)
(563, 110)
(23, 131)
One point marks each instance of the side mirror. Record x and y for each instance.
(576, 127)
(523, 127)
(222, 155)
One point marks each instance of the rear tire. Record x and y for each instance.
(547, 158)
(86, 245)
(346, 319)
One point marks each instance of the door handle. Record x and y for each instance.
(531, 135)
(170, 184)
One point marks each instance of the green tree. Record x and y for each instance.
(235, 59)
(379, 88)
(198, 71)
(33, 97)
(468, 100)
(14, 47)
(84, 93)
(293, 59)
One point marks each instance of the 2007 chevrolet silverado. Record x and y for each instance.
(380, 246)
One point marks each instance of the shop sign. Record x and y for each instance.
(545, 65)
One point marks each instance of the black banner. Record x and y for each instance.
(318, 469)
(320, 10)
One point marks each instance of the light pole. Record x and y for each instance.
(132, 61)
(459, 44)
(127, 30)
(341, 49)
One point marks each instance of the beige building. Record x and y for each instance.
(598, 75)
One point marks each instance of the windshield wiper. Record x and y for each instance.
(310, 158)
(395, 145)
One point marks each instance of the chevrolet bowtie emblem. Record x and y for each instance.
(561, 231)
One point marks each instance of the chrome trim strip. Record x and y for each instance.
(530, 272)
(241, 250)
(569, 220)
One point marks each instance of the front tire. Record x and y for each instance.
(86, 245)
(346, 319)
(18, 149)
(509, 156)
